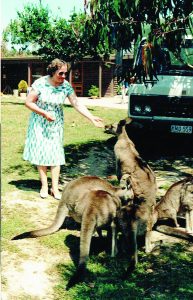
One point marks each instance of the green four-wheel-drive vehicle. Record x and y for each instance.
(164, 99)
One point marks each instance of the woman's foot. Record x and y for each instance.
(44, 192)
(55, 194)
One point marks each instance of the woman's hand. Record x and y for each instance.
(31, 104)
(49, 117)
(98, 122)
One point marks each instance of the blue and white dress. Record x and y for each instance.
(44, 145)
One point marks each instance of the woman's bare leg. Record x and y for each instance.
(55, 173)
(44, 181)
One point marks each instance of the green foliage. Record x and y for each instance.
(111, 25)
(65, 40)
(6, 52)
(119, 89)
(118, 23)
(35, 28)
(30, 28)
(22, 86)
(93, 91)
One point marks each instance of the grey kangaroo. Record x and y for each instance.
(137, 217)
(130, 167)
(177, 199)
(91, 201)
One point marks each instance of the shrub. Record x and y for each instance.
(119, 89)
(93, 91)
(22, 86)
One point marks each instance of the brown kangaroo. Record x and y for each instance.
(137, 218)
(91, 201)
(177, 199)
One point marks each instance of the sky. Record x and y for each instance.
(61, 8)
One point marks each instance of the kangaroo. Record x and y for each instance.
(137, 217)
(135, 220)
(129, 165)
(91, 201)
(177, 199)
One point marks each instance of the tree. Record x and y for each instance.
(5, 52)
(110, 25)
(115, 24)
(36, 29)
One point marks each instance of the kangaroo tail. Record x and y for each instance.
(176, 232)
(59, 220)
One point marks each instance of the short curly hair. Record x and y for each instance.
(55, 65)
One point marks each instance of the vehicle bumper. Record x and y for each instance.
(162, 125)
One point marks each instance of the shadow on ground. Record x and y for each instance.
(165, 273)
(26, 184)
(94, 158)
(166, 154)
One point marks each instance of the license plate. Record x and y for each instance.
(181, 129)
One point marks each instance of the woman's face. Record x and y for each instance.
(60, 75)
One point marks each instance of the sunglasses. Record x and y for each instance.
(63, 73)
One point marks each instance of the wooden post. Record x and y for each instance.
(70, 77)
(29, 72)
(100, 80)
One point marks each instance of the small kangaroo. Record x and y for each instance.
(137, 217)
(135, 220)
(177, 199)
(91, 201)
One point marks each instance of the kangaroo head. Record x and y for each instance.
(116, 128)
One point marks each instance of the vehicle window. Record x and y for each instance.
(182, 65)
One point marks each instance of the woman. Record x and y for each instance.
(44, 142)
(124, 89)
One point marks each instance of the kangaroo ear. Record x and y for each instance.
(122, 122)
(125, 121)
(128, 120)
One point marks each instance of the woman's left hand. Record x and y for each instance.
(98, 122)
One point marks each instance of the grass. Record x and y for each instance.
(79, 134)
(165, 274)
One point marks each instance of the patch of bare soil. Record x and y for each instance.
(27, 275)
(30, 272)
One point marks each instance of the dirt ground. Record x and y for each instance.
(30, 273)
